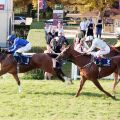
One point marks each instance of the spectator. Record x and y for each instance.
(84, 26)
(62, 42)
(60, 28)
(90, 28)
(77, 44)
(99, 28)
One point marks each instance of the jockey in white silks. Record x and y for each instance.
(97, 43)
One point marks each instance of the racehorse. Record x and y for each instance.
(37, 61)
(114, 52)
(88, 69)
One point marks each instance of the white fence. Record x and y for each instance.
(75, 76)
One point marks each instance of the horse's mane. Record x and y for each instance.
(79, 54)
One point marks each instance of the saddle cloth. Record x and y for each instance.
(102, 62)
(24, 59)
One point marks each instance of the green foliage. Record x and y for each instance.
(37, 25)
(52, 100)
(34, 74)
(111, 41)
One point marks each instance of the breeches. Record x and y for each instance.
(24, 49)
(101, 52)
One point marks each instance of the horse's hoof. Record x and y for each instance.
(76, 95)
(114, 98)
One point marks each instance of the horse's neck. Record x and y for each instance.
(79, 59)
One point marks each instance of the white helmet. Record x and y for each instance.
(57, 38)
(89, 38)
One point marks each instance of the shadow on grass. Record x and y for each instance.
(89, 94)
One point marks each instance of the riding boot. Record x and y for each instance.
(100, 61)
(20, 58)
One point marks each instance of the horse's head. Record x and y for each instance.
(3, 53)
(65, 54)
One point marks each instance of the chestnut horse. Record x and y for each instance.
(114, 52)
(37, 61)
(88, 69)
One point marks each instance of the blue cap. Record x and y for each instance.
(11, 38)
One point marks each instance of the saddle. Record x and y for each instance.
(102, 62)
(23, 59)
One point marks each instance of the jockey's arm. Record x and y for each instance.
(14, 47)
(91, 48)
(86, 46)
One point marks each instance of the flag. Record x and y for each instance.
(42, 4)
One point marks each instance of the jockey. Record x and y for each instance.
(99, 44)
(18, 46)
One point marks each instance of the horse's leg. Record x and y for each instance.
(82, 82)
(18, 82)
(97, 84)
(116, 78)
(60, 73)
(116, 81)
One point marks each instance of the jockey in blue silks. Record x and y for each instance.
(18, 46)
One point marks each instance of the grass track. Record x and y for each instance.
(52, 100)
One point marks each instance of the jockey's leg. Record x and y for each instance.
(18, 57)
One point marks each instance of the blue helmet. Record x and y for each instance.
(11, 38)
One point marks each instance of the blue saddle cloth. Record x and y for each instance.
(102, 62)
(23, 59)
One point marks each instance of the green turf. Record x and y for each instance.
(53, 100)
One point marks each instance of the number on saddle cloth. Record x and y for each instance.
(102, 62)
(22, 59)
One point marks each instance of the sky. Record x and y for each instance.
(2, 1)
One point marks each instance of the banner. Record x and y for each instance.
(57, 16)
(42, 4)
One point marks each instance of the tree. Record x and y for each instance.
(100, 5)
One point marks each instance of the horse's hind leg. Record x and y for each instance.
(18, 82)
(82, 82)
(97, 84)
(116, 81)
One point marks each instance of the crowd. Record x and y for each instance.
(87, 27)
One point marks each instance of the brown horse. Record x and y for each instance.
(37, 61)
(88, 69)
(114, 52)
